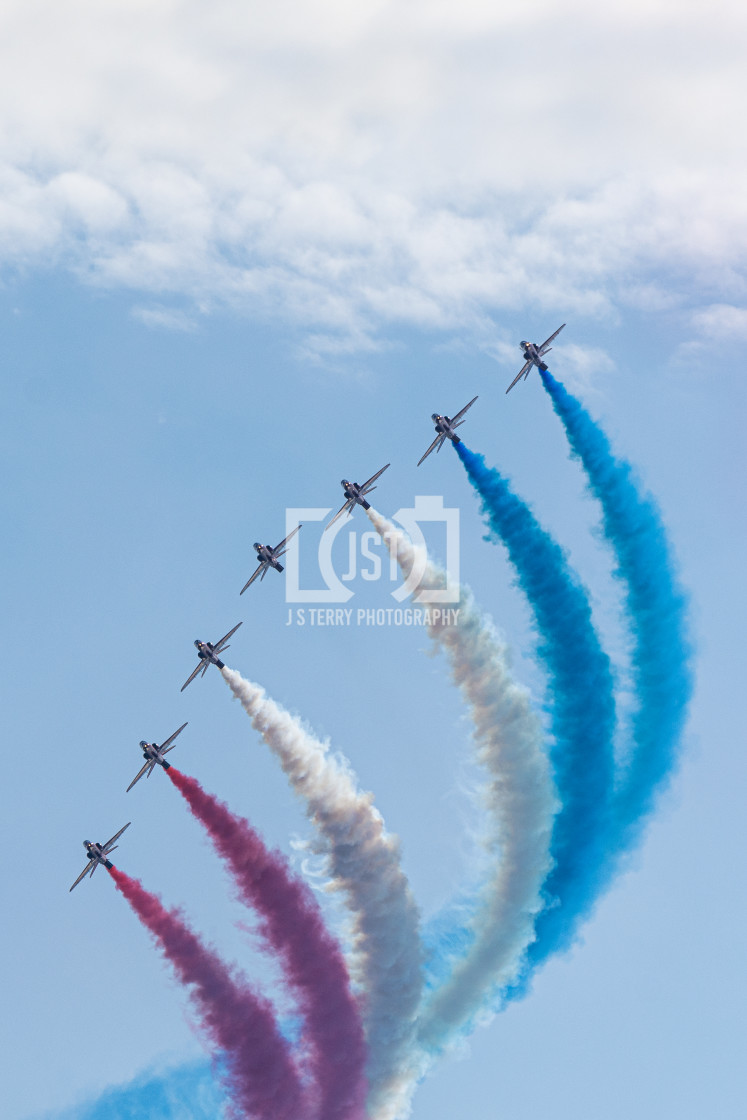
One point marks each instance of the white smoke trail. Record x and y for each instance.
(520, 801)
(365, 866)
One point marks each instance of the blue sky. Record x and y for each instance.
(211, 312)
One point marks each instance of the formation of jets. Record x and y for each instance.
(268, 557)
(533, 355)
(355, 494)
(99, 853)
(208, 655)
(154, 756)
(446, 429)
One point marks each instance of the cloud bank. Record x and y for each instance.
(353, 167)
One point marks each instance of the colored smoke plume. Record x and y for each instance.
(581, 706)
(258, 1066)
(364, 864)
(519, 799)
(293, 927)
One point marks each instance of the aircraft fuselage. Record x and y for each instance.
(96, 853)
(206, 652)
(532, 354)
(266, 555)
(444, 428)
(352, 491)
(152, 753)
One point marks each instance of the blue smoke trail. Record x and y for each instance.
(582, 712)
(188, 1092)
(448, 936)
(656, 609)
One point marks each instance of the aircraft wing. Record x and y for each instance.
(171, 738)
(461, 413)
(116, 836)
(262, 567)
(373, 478)
(86, 870)
(219, 645)
(278, 547)
(547, 341)
(438, 440)
(348, 506)
(148, 766)
(193, 674)
(524, 370)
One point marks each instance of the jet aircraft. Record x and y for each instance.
(208, 655)
(99, 853)
(268, 558)
(355, 494)
(153, 755)
(445, 428)
(533, 355)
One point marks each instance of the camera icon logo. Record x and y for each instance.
(367, 555)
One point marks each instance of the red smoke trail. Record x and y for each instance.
(261, 1074)
(293, 926)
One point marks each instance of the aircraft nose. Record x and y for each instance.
(197, 642)
(256, 546)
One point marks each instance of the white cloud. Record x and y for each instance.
(582, 366)
(722, 321)
(350, 166)
(169, 318)
(80, 199)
